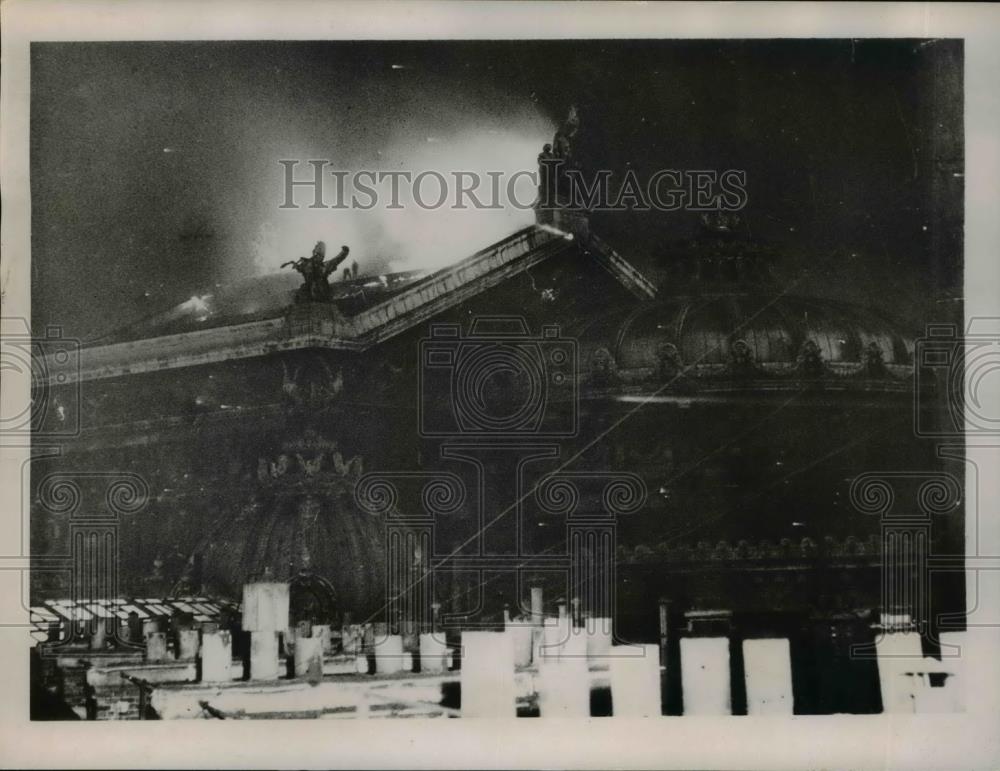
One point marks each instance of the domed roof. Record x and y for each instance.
(298, 514)
(743, 335)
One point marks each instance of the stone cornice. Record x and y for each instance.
(314, 325)
(785, 552)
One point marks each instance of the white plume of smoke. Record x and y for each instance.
(444, 134)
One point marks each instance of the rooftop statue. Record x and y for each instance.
(555, 160)
(562, 142)
(315, 272)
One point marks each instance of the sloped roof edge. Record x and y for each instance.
(309, 326)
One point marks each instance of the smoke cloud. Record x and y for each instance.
(159, 163)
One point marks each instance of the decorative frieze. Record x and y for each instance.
(703, 552)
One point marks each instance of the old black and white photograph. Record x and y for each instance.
(535, 378)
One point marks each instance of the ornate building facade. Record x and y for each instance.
(256, 430)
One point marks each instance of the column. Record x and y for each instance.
(265, 614)
(309, 657)
(265, 607)
(768, 673)
(389, 655)
(322, 631)
(216, 657)
(705, 675)
(635, 680)
(264, 656)
(564, 682)
(187, 644)
(488, 675)
(156, 646)
(522, 634)
(433, 653)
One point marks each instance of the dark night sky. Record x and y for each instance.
(155, 175)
